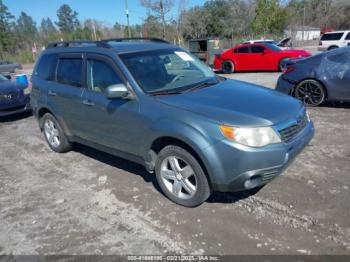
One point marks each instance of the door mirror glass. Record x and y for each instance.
(117, 91)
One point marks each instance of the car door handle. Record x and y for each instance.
(52, 93)
(88, 103)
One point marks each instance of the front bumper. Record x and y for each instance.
(18, 106)
(237, 168)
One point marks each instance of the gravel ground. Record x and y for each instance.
(89, 202)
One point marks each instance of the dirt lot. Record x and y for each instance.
(88, 202)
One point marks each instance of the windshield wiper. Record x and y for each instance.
(165, 92)
(201, 85)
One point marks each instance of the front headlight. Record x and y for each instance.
(253, 137)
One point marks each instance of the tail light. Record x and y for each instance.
(288, 70)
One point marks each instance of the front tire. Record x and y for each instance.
(311, 92)
(228, 67)
(181, 177)
(54, 135)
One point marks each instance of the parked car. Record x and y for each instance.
(333, 40)
(154, 103)
(313, 80)
(9, 67)
(14, 97)
(285, 43)
(258, 57)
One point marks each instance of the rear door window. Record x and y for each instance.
(69, 71)
(332, 36)
(348, 37)
(47, 67)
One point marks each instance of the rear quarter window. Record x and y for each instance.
(46, 67)
(332, 36)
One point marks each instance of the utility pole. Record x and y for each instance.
(303, 36)
(127, 17)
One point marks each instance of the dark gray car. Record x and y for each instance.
(322, 77)
(8, 66)
(154, 103)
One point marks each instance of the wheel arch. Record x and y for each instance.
(161, 142)
(332, 47)
(44, 110)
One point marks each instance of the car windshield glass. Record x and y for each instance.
(3, 78)
(273, 47)
(167, 71)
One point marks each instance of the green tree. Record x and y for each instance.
(270, 18)
(67, 20)
(48, 32)
(26, 29)
(7, 38)
(217, 14)
(152, 27)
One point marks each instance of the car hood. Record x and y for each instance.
(9, 86)
(238, 103)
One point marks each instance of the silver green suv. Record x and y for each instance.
(154, 103)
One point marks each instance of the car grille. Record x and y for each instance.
(288, 133)
(9, 96)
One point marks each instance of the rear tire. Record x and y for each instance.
(311, 92)
(228, 67)
(54, 135)
(181, 177)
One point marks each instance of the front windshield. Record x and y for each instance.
(2, 78)
(273, 47)
(167, 70)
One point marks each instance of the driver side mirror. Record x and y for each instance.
(117, 91)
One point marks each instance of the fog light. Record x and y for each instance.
(252, 182)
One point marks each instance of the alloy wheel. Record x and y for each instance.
(178, 177)
(310, 92)
(51, 133)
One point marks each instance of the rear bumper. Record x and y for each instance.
(322, 48)
(238, 168)
(284, 86)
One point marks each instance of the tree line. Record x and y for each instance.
(231, 19)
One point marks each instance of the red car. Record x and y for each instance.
(255, 57)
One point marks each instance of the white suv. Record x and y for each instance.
(332, 40)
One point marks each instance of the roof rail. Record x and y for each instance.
(78, 43)
(145, 39)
